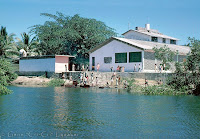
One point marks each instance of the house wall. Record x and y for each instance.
(47, 64)
(109, 50)
(140, 36)
(60, 63)
(150, 61)
(137, 36)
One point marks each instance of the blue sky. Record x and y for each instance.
(179, 19)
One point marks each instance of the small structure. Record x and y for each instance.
(45, 63)
(135, 52)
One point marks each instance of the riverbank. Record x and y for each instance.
(137, 85)
(41, 81)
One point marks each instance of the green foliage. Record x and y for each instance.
(165, 55)
(7, 44)
(162, 90)
(187, 74)
(56, 82)
(28, 44)
(6, 76)
(73, 35)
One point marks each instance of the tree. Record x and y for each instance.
(165, 55)
(28, 44)
(73, 35)
(187, 74)
(7, 44)
(6, 76)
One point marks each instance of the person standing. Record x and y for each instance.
(111, 83)
(156, 68)
(134, 70)
(98, 66)
(92, 77)
(118, 68)
(73, 67)
(117, 81)
(66, 68)
(146, 82)
(83, 68)
(139, 68)
(96, 81)
(111, 69)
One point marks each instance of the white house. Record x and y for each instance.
(134, 49)
(49, 63)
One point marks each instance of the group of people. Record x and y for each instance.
(87, 78)
(160, 68)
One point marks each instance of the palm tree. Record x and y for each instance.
(7, 44)
(28, 44)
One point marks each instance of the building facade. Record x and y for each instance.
(134, 51)
(49, 63)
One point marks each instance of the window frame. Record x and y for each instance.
(130, 59)
(164, 40)
(110, 62)
(121, 58)
(172, 41)
(154, 38)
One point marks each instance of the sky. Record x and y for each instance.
(175, 18)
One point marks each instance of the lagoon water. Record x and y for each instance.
(97, 113)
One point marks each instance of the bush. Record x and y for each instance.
(6, 76)
(162, 90)
(56, 82)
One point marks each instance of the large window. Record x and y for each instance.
(135, 57)
(154, 39)
(172, 41)
(107, 60)
(120, 57)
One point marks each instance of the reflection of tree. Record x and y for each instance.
(74, 110)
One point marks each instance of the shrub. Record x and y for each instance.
(6, 76)
(56, 82)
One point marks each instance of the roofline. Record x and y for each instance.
(127, 31)
(43, 57)
(108, 41)
(65, 55)
(148, 35)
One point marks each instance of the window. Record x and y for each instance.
(135, 57)
(120, 57)
(172, 41)
(164, 40)
(107, 59)
(154, 39)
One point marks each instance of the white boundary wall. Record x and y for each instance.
(47, 64)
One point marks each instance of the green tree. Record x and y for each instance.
(7, 44)
(28, 44)
(187, 74)
(6, 76)
(73, 35)
(165, 55)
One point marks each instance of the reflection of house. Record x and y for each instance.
(134, 49)
(49, 63)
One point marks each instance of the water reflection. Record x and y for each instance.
(101, 113)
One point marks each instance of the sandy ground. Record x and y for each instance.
(30, 81)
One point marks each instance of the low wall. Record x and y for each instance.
(106, 76)
(103, 77)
